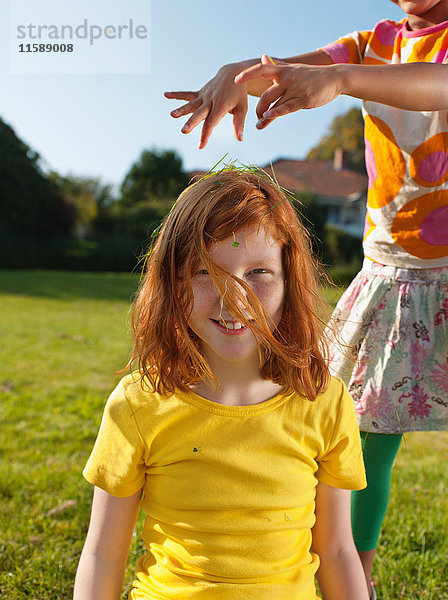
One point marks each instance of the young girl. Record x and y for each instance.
(232, 431)
(396, 310)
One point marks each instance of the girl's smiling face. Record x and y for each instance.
(255, 258)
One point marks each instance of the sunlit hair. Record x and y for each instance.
(294, 353)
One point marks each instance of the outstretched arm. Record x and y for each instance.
(103, 560)
(221, 95)
(340, 574)
(410, 86)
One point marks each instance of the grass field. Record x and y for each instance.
(63, 337)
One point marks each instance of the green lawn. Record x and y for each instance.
(63, 338)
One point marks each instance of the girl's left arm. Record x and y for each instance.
(410, 86)
(340, 573)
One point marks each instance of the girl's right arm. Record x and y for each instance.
(221, 95)
(103, 560)
(340, 573)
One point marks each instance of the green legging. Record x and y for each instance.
(369, 505)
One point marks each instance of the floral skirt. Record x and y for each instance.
(389, 343)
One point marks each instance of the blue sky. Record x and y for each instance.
(97, 125)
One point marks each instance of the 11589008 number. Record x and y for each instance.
(45, 47)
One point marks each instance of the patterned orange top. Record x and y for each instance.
(406, 152)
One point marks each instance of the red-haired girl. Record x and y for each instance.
(395, 313)
(232, 435)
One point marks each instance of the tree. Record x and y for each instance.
(313, 219)
(157, 174)
(340, 247)
(30, 204)
(87, 194)
(346, 132)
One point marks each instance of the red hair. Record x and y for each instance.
(217, 207)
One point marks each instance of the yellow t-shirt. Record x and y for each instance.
(228, 490)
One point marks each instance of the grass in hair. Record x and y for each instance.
(64, 335)
(231, 166)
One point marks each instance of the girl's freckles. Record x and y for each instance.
(256, 260)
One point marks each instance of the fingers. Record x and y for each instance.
(215, 116)
(212, 119)
(199, 115)
(285, 108)
(260, 70)
(181, 95)
(268, 60)
(267, 67)
(239, 117)
(211, 115)
(207, 130)
(263, 123)
(279, 110)
(186, 109)
(271, 95)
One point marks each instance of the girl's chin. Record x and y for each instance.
(235, 356)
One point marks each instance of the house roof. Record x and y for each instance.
(316, 176)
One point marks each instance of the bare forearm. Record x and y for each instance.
(341, 576)
(97, 578)
(411, 86)
(318, 57)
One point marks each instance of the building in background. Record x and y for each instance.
(339, 191)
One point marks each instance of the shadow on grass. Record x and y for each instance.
(69, 284)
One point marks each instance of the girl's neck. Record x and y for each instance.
(435, 15)
(240, 384)
(246, 394)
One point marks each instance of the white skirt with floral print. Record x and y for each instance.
(389, 343)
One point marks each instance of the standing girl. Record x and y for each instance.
(240, 443)
(396, 310)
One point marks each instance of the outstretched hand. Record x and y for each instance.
(212, 102)
(294, 87)
(283, 88)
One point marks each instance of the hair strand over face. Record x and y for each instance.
(294, 354)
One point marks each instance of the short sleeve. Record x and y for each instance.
(349, 48)
(117, 463)
(341, 463)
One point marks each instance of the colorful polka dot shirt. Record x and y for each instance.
(406, 152)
